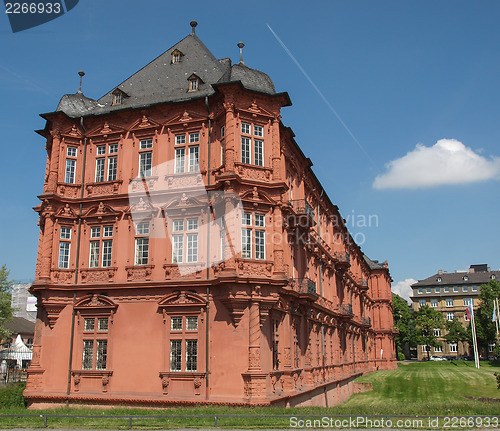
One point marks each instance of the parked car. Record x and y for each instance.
(437, 358)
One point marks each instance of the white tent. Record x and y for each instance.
(18, 351)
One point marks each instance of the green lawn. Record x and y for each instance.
(438, 388)
(429, 389)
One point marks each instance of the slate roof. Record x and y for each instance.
(374, 264)
(457, 278)
(162, 81)
(20, 325)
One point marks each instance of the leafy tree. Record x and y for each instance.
(426, 320)
(6, 311)
(403, 323)
(485, 327)
(456, 332)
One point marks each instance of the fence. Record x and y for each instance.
(297, 421)
(13, 365)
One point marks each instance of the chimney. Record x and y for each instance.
(489, 269)
(445, 272)
(440, 272)
(472, 270)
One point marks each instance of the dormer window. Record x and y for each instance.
(465, 278)
(118, 96)
(176, 56)
(194, 82)
(439, 279)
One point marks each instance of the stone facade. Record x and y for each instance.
(289, 315)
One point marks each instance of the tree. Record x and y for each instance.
(403, 323)
(456, 332)
(485, 327)
(426, 320)
(6, 310)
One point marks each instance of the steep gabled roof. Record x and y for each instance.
(163, 81)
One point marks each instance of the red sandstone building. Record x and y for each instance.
(139, 304)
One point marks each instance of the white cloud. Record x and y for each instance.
(403, 289)
(446, 162)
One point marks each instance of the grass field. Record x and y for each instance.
(429, 389)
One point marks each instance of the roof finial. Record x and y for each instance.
(240, 46)
(193, 24)
(82, 74)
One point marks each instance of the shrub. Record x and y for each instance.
(12, 396)
(401, 356)
(498, 379)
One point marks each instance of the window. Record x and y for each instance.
(437, 332)
(100, 240)
(422, 302)
(450, 316)
(142, 244)
(64, 247)
(491, 347)
(101, 174)
(95, 343)
(247, 156)
(250, 236)
(145, 158)
(185, 232)
(438, 349)
(453, 347)
(474, 288)
(434, 303)
(492, 277)
(437, 290)
(446, 289)
(69, 177)
(420, 290)
(439, 279)
(428, 290)
(465, 278)
(184, 334)
(468, 301)
(455, 288)
(275, 341)
(465, 288)
(449, 302)
(192, 151)
(193, 84)
(425, 349)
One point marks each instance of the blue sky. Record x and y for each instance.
(398, 73)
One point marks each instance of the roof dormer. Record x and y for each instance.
(118, 96)
(194, 82)
(176, 56)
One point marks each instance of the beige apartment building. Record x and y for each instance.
(451, 293)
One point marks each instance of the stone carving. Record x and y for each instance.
(68, 190)
(255, 268)
(62, 276)
(181, 181)
(255, 173)
(197, 386)
(105, 382)
(139, 272)
(76, 381)
(164, 384)
(103, 189)
(97, 275)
